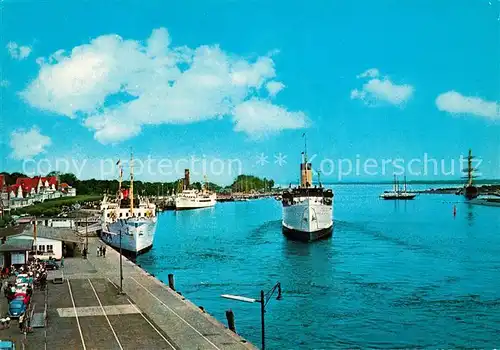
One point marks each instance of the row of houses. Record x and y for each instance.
(28, 191)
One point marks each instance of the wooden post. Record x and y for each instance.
(171, 281)
(230, 320)
(262, 316)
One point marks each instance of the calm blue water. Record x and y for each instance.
(394, 274)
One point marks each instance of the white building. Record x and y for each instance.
(28, 191)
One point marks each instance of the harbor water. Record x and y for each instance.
(395, 273)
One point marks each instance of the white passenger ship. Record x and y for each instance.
(195, 199)
(307, 210)
(128, 222)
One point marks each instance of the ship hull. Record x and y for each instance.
(308, 220)
(186, 204)
(296, 235)
(136, 235)
(471, 192)
(398, 197)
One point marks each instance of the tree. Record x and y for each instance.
(247, 183)
(10, 179)
(68, 178)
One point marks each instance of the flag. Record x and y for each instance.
(118, 162)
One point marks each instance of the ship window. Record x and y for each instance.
(121, 214)
(136, 224)
(108, 215)
(126, 214)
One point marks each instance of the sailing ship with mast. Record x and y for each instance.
(397, 192)
(470, 191)
(307, 210)
(194, 199)
(128, 222)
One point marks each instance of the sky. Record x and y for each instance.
(229, 87)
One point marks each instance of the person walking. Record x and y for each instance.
(21, 323)
(62, 261)
(99, 251)
(104, 251)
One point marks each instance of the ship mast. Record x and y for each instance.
(120, 169)
(131, 195)
(305, 148)
(469, 168)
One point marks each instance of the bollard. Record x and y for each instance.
(171, 281)
(230, 320)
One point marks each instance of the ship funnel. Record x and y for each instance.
(305, 175)
(186, 179)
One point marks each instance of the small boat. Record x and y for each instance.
(397, 193)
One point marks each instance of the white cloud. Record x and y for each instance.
(260, 117)
(119, 85)
(18, 52)
(377, 90)
(27, 144)
(456, 103)
(273, 87)
(370, 73)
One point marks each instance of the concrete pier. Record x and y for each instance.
(86, 312)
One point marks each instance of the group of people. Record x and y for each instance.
(27, 277)
(101, 250)
(35, 272)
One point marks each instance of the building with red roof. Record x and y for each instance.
(29, 190)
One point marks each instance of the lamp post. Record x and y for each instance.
(86, 233)
(121, 267)
(264, 299)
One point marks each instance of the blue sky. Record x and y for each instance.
(236, 80)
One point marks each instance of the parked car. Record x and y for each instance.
(7, 345)
(17, 307)
(23, 296)
(51, 265)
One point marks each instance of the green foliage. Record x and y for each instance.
(94, 187)
(53, 207)
(211, 186)
(5, 221)
(10, 179)
(247, 183)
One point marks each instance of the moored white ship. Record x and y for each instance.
(194, 199)
(307, 210)
(127, 222)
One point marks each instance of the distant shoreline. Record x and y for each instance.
(459, 183)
